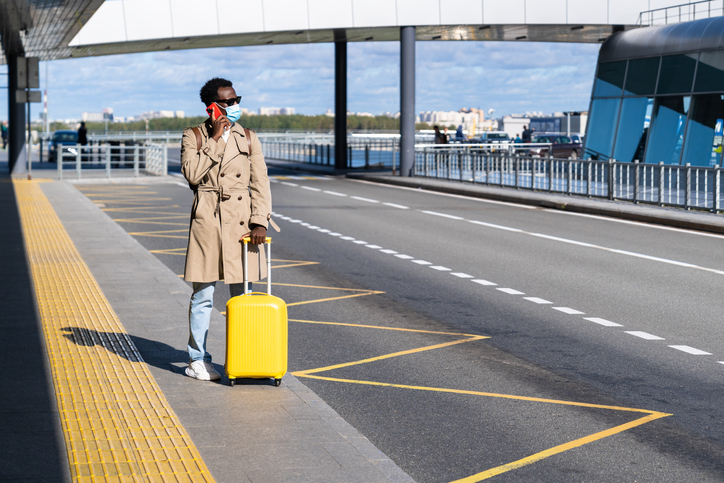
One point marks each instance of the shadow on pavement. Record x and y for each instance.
(139, 349)
(31, 441)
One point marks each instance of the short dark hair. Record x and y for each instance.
(210, 92)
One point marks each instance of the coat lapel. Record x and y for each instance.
(235, 145)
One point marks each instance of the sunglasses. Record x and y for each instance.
(229, 102)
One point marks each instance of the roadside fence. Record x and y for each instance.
(682, 186)
(106, 161)
(367, 153)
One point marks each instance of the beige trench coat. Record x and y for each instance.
(233, 193)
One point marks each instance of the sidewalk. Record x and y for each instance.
(253, 433)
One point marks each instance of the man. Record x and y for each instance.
(82, 134)
(232, 200)
(526, 134)
(440, 138)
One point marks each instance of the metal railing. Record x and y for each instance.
(368, 153)
(106, 161)
(683, 186)
(156, 137)
(681, 13)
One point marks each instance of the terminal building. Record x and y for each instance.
(658, 96)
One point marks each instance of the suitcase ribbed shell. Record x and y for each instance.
(256, 336)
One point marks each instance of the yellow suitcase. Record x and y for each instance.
(256, 331)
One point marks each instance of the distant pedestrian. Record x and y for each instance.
(526, 134)
(459, 133)
(4, 130)
(440, 138)
(82, 134)
(517, 139)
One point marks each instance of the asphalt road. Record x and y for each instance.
(602, 358)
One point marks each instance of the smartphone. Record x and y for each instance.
(213, 111)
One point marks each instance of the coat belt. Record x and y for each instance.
(221, 194)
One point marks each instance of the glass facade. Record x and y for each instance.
(661, 109)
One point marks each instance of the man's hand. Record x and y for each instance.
(257, 235)
(220, 124)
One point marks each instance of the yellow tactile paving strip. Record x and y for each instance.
(117, 423)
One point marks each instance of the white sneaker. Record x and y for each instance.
(202, 371)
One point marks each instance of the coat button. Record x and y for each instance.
(222, 175)
(239, 198)
(238, 175)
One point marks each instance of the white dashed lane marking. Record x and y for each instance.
(394, 205)
(334, 193)
(507, 290)
(462, 275)
(644, 335)
(511, 291)
(443, 215)
(359, 198)
(604, 322)
(690, 350)
(568, 310)
(538, 300)
(484, 282)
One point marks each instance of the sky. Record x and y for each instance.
(509, 77)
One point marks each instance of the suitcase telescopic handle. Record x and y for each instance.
(267, 243)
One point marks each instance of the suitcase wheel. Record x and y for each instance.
(231, 382)
(277, 382)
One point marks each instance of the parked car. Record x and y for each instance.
(61, 139)
(495, 137)
(562, 146)
(492, 137)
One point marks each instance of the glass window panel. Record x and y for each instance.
(633, 128)
(609, 79)
(710, 73)
(667, 130)
(677, 74)
(641, 77)
(704, 133)
(600, 129)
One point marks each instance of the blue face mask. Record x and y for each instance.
(233, 112)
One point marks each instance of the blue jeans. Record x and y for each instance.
(202, 301)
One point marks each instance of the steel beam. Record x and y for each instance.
(340, 105)
(407, 100)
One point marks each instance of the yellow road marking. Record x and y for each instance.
(161, 233)
(561, 448)
(139, 220)
(296, 264)
(328, 288)
(333, 298)
(386, 356)
(130, 201)
(119, 220)
(312, 374)
(142, 209)
(170, 251)
(383, 328)
(116, 422)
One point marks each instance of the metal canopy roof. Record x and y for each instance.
(705, 34)
(42, 28)
(540, 33)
